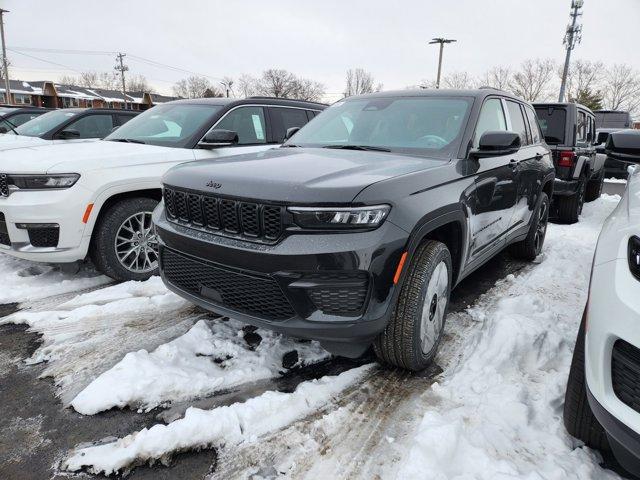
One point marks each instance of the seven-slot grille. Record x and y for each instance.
(4, 185)
(625, 373)
(260, 296)
(226, 216)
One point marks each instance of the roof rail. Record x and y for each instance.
(265, 97)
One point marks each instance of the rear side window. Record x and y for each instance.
(491, 119)
(518, 124)
(247, 122)
(552, 121)
(582, 132)
(92, 126)
(536, 134)
(286, 118)
(121, 119)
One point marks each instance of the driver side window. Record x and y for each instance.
(491, 119)
(92, 126)
(247, 122)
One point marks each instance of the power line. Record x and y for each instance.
(63, 51)
(67, 67)
(171, 67)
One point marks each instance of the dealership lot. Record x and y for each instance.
(120, 353)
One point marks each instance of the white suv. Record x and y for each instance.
(59, 203)
(602, 403)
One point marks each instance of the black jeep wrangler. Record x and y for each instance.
(569, 130)
(355, 231)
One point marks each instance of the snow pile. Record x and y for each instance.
(23, 281)
(498, 412)
(227, 426)
(205, 360)
(88, 334)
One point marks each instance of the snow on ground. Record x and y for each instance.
(211, 357)
(615, 180)
(227, 425)
(25, 281)
(497, 412)
(88, 334)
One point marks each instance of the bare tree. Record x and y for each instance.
(246, 86)
(90, 79)
(138, 83)
(458, 81)
(584, 78)
(283, 84)
(534, 81)
(497, 77)
(621, 87)
(195, 87)
(359, 81)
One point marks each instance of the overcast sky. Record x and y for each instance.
(315, 39)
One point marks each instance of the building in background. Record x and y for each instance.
(54, 95)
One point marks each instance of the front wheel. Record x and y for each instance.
(124, 246)
(412, 337)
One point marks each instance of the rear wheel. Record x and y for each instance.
(412, 337)
(124, 246)
(578, 417)
(570, 207)
(594, 187)
(529, 248)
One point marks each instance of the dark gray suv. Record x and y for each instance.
(355, 231)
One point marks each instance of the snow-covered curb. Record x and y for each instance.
(205, 360)
(227, 425)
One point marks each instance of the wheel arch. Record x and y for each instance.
(448, 225)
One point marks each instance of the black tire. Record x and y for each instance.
(570, 207)
(400, 343)
(529, 248)
(578, 417)
(103, 250)
(594, 187)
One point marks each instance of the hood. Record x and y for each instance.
(84, 156)
(296, 175)
(9, 141)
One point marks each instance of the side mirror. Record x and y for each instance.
(68, 134)
(291, 132)
(219, 138)
(496, 143)
(624, 146)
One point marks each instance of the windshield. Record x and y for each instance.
(552, 121)
(4, 111)
(44, 123)
(170, 125)
(415, 125)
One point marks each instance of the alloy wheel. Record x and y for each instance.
(541, 228)
(136, 244)
(433, 310)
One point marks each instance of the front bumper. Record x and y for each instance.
(64, 208)
(316, 274)
(613, 285)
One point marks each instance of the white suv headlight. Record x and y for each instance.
(42, 182)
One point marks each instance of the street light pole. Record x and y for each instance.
(5, 65)
(571, 38)
(440, 41)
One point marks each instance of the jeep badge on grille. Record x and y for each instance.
(212, 184)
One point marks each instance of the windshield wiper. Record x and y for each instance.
(128, 140)
(358, 147)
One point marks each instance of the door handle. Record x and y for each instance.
(538, 156)
(513, 163)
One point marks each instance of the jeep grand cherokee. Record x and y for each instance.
(354, 232)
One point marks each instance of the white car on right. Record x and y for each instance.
(602, 402)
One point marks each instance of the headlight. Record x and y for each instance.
(634, 256)
(339, 218)
(41, 182)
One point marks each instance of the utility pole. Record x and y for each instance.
(227, 85)
(441, 41)
(121, 67)
(5, 65)
(572, 37)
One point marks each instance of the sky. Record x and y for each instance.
(314, 39)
